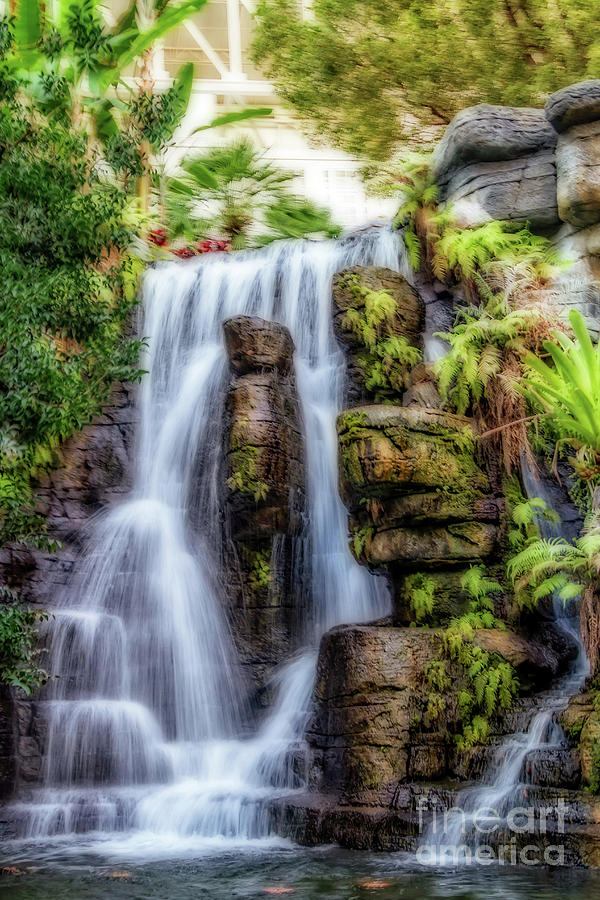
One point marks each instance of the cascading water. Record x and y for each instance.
(483, 809)
(144, 720)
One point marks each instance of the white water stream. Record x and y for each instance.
(144, 724)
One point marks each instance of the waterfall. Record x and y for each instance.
(505, 786)
(144, 720)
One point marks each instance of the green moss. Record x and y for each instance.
(594, 779)
(244, 478)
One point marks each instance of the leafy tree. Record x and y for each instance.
(68, 287)
(362, 73)
(232, 192)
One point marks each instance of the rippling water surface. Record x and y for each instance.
(290, 872)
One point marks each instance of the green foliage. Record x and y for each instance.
(523, 530)
(261, 576)
(76, 56)
(68, 289)
(488, 343)
(463, 252)
(594, 780)
(19, 655)
(387, 358)
(360, 538)
(556, 566)
(490, 682)
(477, 341)
(244, 477)
(568, 393)
(232, 192)
(366, 75)
(421, 589)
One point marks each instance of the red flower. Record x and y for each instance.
(158, 237)
(184, 252)
(213, 246)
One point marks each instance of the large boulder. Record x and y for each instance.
(487, 133)
(418, 500)
(497, 162)
(265, 497)
(369, 693)
(578, 174)
(576, 104)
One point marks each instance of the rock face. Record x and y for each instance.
(407, 321)
(369, 693)
(497, 162)
(265, 492)
(418, 500)
(535, 167)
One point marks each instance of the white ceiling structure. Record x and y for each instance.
(217, 40)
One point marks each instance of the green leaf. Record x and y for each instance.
(28, 24)
(230, 118)
(171, 17)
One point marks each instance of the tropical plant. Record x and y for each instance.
(232, 192)
(420, 588)
(73, 66)
(568, 393)
(368, 76)
(570, 571)
(387, 357)
(487, 346)
(462, 253)
(490, 683)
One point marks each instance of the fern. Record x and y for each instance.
(421, 590)
(491, 682)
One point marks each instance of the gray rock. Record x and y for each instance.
(488, 133)
(516, 190)
(578, 174)
(574, 105)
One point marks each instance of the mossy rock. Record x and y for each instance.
(391, 449)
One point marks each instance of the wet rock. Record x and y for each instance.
(368, 690)
(265, 489)
(255, 345)
(552, 767)
(532, 660)
(576, 104)
(265, 452)
(417, 498)
(391, 450)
